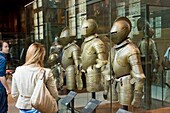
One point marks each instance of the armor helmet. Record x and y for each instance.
(54, 49)
(150, 32)
(53, 59)
(89, 27)
(120, 29)
(65, 37)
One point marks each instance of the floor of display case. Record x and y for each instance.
(83, 97)
(105, 108)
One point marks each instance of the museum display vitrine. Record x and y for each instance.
(149, 32)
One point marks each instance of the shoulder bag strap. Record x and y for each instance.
(42, 74)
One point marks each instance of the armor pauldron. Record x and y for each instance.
(134, 59)
(108, 44)
(66, 58)
(100, 47)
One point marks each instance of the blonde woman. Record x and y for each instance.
(26, 76)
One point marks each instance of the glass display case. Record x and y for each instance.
(46, 19)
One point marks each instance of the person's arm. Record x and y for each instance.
(4, 82)
(14, 89)
(2, 76)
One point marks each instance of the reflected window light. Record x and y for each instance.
(39, 3)
(35, 4)
(41, 32)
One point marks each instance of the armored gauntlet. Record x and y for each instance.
(106, 88)
(106, 79)
(138, 90)
(137, 99)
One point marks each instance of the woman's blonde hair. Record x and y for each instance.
(35, 54)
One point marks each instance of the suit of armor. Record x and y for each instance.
(152, 50)
(93, 56)
(71, 60)
(150, 62)
(128, 77)
(53, 61)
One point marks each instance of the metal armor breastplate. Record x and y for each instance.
(67, 58)
(126, 58)
(89, 56)
(120, 63)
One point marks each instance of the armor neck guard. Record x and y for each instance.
(70, 44)
(122, 44)
(90, 38)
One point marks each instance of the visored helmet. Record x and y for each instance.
(89, 27)
(120, 29)
(53, 49)
(65, 37)
(53, 59)
(150, 31)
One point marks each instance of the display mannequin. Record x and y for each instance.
(93, 56)
(54, 63)
(56, 48)
(152, 49)
(70, 60)
(124, 61)
(150, 61)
